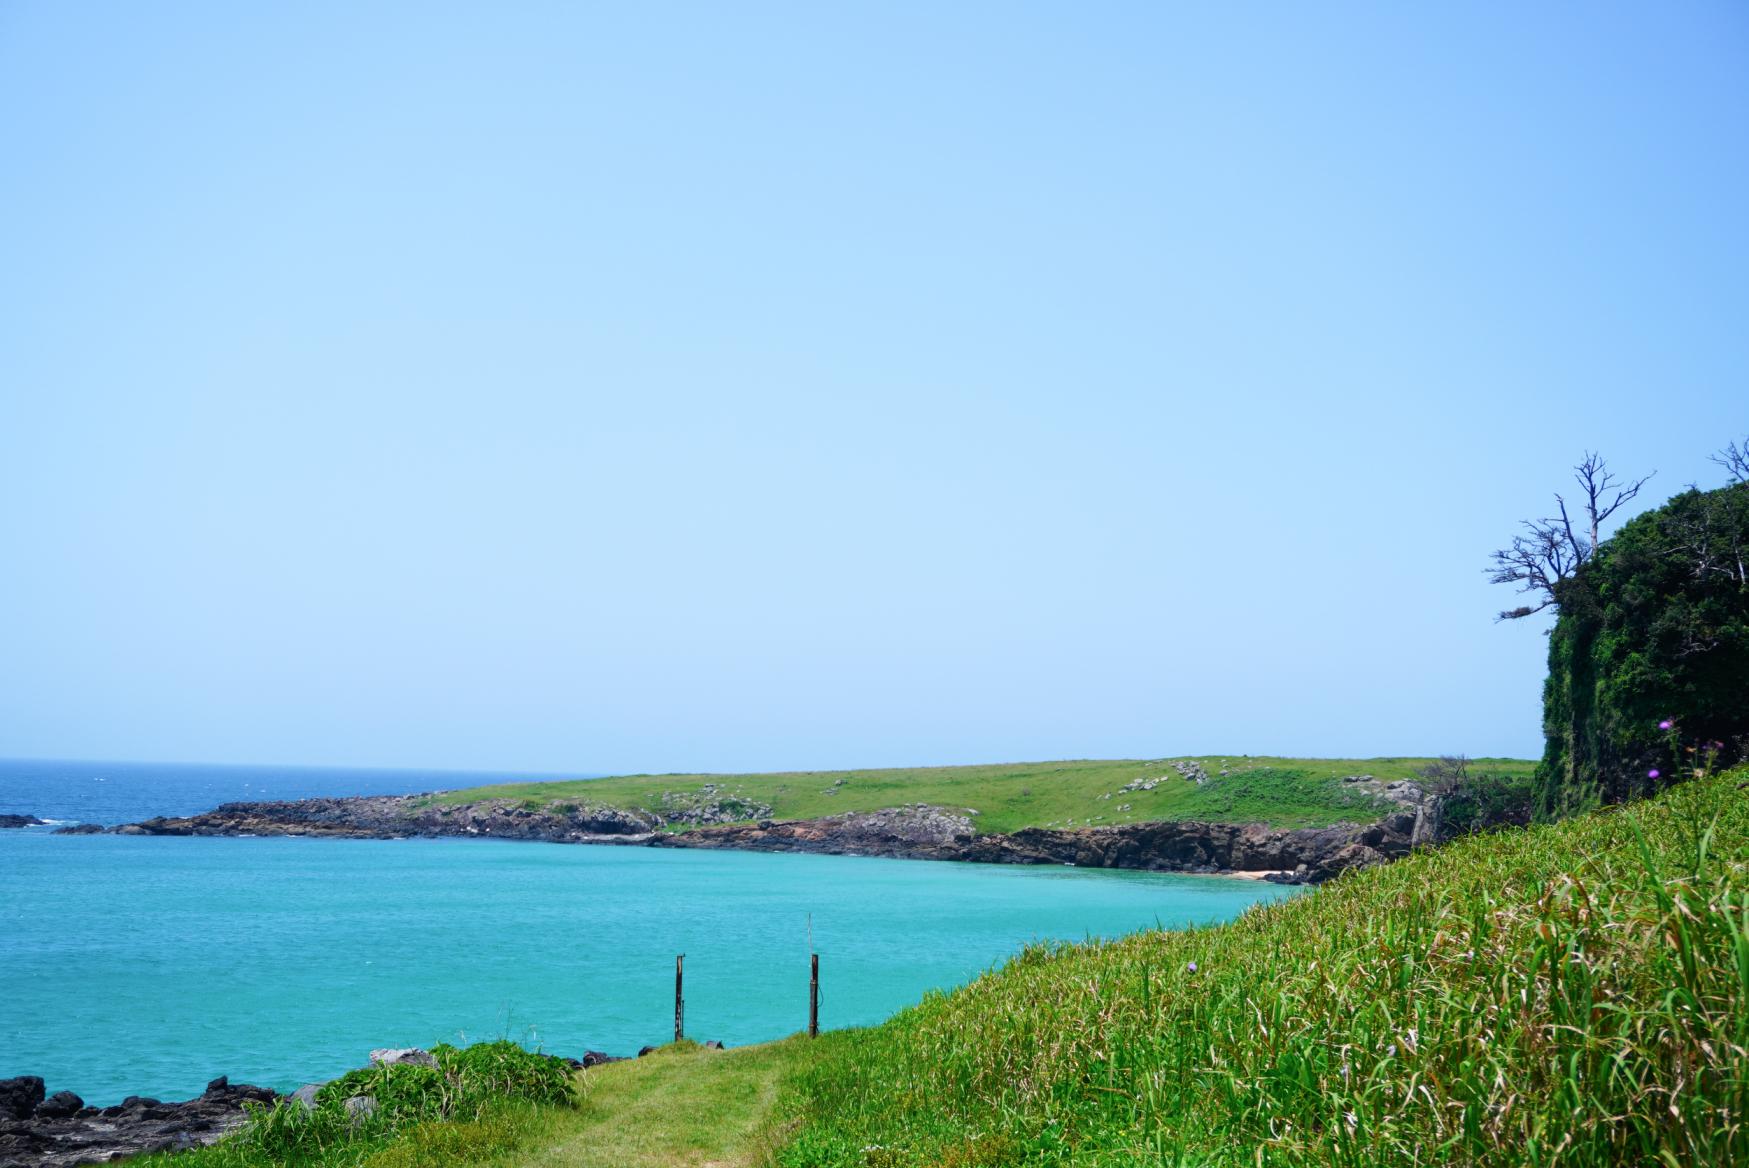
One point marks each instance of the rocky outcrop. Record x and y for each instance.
(1307, 855)
(913, 832)
(58, 1130)
(80, 829)
(399, 816)
(916, 831)
(21, 821)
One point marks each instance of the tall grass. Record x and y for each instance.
(1565, 995)
(477, 1102)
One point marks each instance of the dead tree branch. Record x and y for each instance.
(1551, 550)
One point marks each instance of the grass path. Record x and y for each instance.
(680, 1107)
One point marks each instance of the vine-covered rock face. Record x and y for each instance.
(1649, 661)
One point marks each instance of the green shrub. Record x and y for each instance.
(462, 1100)
(1488, 800)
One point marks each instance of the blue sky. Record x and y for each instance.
(654, 387)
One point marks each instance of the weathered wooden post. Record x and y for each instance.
(814, 996)
(679, 998)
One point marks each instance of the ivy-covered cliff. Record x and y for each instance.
(1654, 630)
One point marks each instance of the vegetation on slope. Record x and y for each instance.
(479, 1102)
(1572, 994)
(1281, 792)
(1654, 628)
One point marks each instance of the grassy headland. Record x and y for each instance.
(1282, 792)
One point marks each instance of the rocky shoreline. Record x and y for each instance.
(917, 831)
(59, 1131)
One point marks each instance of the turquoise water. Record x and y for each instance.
(148, 966)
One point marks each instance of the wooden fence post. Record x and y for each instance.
(814, 996)
(679, 998)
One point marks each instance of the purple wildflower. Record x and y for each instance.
(1666, 724)
(1653, 773)
(1191, 967)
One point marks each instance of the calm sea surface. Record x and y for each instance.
(148, 966)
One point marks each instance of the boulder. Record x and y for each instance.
(19, 1097)
(20, 821)
(80, 829)
(305, 1096)
(594, 1058)
(410, 1056)
(59, 1105)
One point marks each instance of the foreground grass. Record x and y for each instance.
(1282, 792)
(1572, 995)
(682, 1106)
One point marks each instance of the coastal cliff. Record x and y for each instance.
(915, 831)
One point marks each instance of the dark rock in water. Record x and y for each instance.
(19, 1097)
(80, 829)
(642, 1051)
(20, 821)
(59, 1105)
(594, 1058)
(218, 1084)
(61, 1132)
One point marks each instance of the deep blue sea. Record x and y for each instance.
(140, 965)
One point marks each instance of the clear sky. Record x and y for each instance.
(652, 387)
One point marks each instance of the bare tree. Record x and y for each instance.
(1553, 548)
(1735, 459)
(1713, 534)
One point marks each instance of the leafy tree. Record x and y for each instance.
(1649, 659)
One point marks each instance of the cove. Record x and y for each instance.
(148, 966)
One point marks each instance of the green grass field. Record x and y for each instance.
(1282, 792)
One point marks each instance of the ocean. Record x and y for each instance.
(148, 965)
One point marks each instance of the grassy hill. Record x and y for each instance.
(1575, 994)
(1283, 792)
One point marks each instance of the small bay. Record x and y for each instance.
(149, 965)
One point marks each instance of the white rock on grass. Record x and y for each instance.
(408, 1056)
